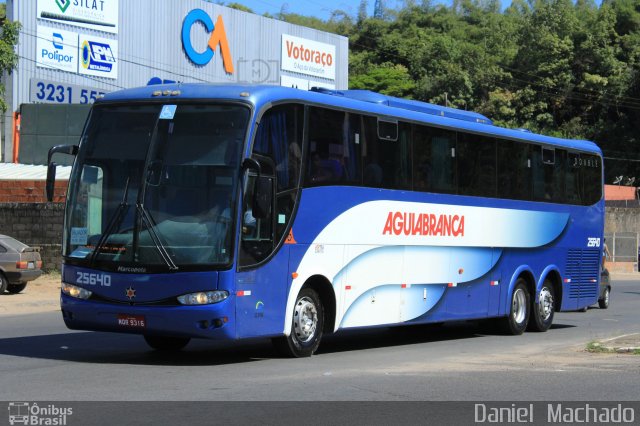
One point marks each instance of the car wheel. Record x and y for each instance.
(516, 322)
(3, 283)
(542, 309)
(604, 302)
(16, 288)
(165, 343)
(306, 327)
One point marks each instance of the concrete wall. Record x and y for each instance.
(621, 219)
(37, 225)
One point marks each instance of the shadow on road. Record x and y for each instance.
(111, 348)
(108, 348)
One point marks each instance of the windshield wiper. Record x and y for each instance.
(116, 218)
(151, 224)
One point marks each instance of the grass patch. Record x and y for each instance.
(599, 348)
(596, 347)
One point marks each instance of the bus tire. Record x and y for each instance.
(542, 309)
(516, 322)
(306, 326)
(165, 343)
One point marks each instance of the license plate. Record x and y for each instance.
(133, 321)
(31, 265)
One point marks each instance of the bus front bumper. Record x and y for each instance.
(215, 321)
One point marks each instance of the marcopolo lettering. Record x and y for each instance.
(425, 224)
(304, 54)
(218, 37)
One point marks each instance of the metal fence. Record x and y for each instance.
(623, 246)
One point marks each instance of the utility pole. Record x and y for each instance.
(378, 10)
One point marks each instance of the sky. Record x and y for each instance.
(322, 8)
(318, 8)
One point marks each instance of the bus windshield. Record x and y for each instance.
(154, 186)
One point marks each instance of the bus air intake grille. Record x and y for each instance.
(583, 267)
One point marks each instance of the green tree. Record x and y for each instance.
(239, 6)
(387, 78)
(8, 56)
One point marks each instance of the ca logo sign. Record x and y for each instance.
(218, 37)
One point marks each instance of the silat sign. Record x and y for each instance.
(218, 37)
(101, 15)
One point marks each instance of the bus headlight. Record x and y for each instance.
(75, 291)
(203, 297)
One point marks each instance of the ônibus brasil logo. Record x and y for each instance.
(26, 413)
(63, 4)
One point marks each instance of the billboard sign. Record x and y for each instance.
(100, 15)
(98, 56)
(308, 57)
(57, 49)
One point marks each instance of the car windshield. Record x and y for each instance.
(154, 185)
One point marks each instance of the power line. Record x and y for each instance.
(121, 59)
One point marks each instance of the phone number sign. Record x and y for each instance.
(52, 92)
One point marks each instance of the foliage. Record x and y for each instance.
(560, 67)
(8, 56)
(239, 6)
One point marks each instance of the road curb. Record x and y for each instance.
(626, 343)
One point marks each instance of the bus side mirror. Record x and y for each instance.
(51, 168)
(51, 178)
(262, 197)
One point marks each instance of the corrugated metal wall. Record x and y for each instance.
(149, 45)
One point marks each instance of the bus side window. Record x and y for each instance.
(386, 157)
(277, 146)
(591, 174)
(514, 173)
(572, 179)
(331, 154)
(543, 171)
(476, 163)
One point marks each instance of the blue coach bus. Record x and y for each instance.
(228, 212)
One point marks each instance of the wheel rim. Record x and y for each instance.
(545, 304)
(305, 319)
(606, 296)
(519, 306)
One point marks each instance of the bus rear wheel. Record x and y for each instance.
(516, 322)
(542, 309)
(306, 327)
(165, 343)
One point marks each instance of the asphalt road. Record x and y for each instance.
(41, 360)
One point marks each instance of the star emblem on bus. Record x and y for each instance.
(130, 293)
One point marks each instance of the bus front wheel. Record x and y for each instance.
(306, 326)
(165, 343)
(542, 309)
(516, 322)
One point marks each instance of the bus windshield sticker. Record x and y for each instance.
(168, 111)
(79, 236)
